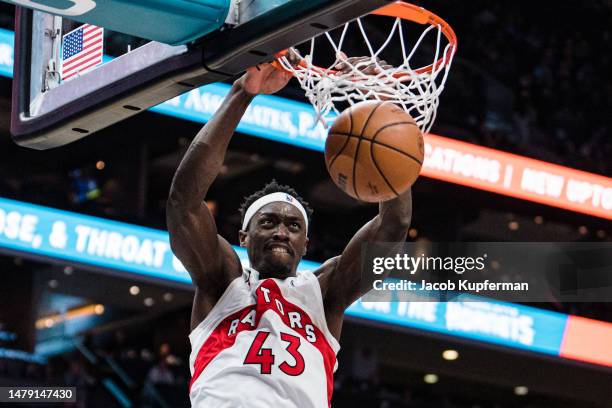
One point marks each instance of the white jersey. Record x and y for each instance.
(264, 344)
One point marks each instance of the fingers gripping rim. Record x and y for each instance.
(276, 64)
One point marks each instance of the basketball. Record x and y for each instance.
(374, 151)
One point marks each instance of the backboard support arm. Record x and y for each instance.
(156, 72)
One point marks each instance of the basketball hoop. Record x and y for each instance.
(417, 90)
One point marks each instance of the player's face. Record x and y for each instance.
(276, 240)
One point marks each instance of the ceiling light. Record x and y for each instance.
(430, 378)
(134, 290)
(521, 390)
(149, 302)
(450, 355)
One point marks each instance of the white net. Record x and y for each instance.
(416, 88)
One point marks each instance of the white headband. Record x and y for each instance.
(272, 198)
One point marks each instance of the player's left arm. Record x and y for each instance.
(341, 278)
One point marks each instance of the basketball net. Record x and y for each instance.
(416, 90)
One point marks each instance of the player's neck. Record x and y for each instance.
(282, 277)
(266, 275)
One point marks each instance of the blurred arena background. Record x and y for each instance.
(530, 78)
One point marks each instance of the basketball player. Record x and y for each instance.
(264, 336)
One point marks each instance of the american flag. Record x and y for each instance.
(82, 50)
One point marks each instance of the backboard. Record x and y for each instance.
(181, 55)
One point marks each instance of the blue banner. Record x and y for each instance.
(94, 241)
(7, 38)
(489, 321)
(146, 252)
(270, 117)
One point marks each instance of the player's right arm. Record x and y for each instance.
(209, 258)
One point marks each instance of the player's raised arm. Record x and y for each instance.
(342, 284)
(374, 152)
(210, 259)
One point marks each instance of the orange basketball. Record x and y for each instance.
(374, 151)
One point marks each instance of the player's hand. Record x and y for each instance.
(366, 65)
(264, 79)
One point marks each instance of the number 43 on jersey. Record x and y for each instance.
(257, 354)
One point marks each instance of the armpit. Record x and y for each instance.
(325, 272)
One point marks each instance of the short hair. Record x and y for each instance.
(273, 187)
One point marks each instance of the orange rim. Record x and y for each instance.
(415, 14)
